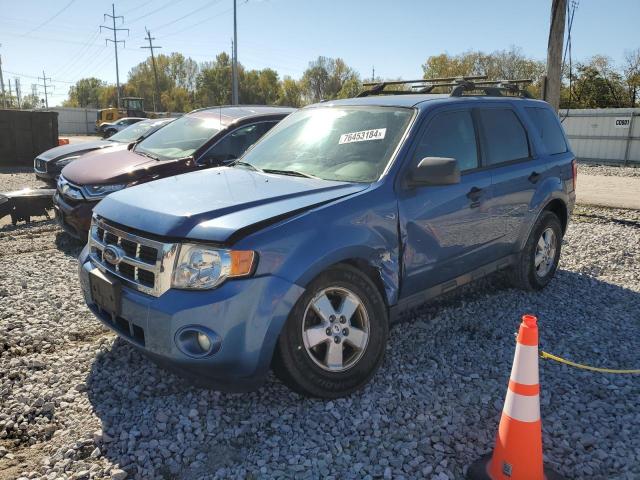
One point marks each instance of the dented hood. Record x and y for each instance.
(218, 204)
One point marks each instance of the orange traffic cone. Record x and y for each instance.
(518, 451)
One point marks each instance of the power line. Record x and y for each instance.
(168, 4)
(155, 71)
(115, 44)
(193, 12)
(50, 19)
(200, 22)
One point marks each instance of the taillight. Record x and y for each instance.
(574, 171)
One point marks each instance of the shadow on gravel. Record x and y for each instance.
(68, 245)
(435, 403)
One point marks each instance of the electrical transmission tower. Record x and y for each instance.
(44, 79)
(115, 43)
(18, 92)
(155, 71)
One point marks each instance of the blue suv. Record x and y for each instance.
(346, 214)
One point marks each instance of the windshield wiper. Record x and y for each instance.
(145, 154)
(246, 164)
(293, 173)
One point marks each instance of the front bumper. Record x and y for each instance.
(74, 218)
(247, 315)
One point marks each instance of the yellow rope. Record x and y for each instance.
(549, 356)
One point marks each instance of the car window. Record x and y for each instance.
(235, 143)
(182, 137)
(344, 143)
(136, 130)
(549, 129)
(451, 135)
(505, 138)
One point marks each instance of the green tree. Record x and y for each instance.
(87, 92)
(290, 94)
(325, 77)
(213, 84)
(596, 85)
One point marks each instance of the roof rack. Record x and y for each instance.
(423, 85)
(459, 86)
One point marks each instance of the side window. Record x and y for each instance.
(450, 134)
(505, 139)
(234, 144)
(549, 129)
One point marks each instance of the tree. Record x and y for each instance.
(290, 94)
(596, 85)
(632, 75)
(87, 92)
(213, 84)
(325, 77)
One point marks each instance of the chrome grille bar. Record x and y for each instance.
(102, 234)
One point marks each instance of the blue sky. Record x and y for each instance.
(394, 36)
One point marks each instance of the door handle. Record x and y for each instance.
(534, 177)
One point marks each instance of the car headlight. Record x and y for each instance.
(100, 191)
(201, 267)
(66, 160)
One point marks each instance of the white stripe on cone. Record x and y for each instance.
(525, 365)
(525, 408)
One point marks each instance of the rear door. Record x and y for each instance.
(515, 170)
(445, 229)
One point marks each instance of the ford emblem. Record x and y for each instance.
(113, 254)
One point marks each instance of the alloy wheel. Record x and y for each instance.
(335, 329)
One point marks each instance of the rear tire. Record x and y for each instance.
(538, 260)
(335, 337)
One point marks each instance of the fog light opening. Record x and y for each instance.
(196, 341)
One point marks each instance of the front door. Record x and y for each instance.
(445, 229)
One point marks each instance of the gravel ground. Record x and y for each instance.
(77, 403)
(17, 178)
(608, 170)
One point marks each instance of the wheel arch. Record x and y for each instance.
(559, 208)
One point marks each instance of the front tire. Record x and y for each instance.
(335, 337)
(538, 261)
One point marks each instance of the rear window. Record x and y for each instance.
(505, 139)
(549, 129)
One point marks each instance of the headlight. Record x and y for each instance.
(100, 191)
(201, 267)
(64, 161)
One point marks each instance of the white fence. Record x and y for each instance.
(74, 121)
(604, 135)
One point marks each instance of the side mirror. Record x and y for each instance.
(435, 171)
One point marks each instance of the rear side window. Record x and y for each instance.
(451, 135)
(549, 129)
(505, 139)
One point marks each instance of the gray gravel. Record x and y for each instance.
(17, 178)
(608, 170)
(77, 403)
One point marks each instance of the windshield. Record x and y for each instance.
(352, 144)
(137, 130)
(181, 137)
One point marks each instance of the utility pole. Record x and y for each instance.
(115, 44)
(234, 62)
(373, 73)
(44, 79)
(4, 99)
(155, 71)
(553, 79)
(18, 92)
(10, 95)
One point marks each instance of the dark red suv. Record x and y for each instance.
(204, 138)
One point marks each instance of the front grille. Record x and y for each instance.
(144, 264)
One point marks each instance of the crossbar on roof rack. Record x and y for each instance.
(425, 84)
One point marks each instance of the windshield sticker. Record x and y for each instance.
(363, 136)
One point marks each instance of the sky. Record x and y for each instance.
(62, 37)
